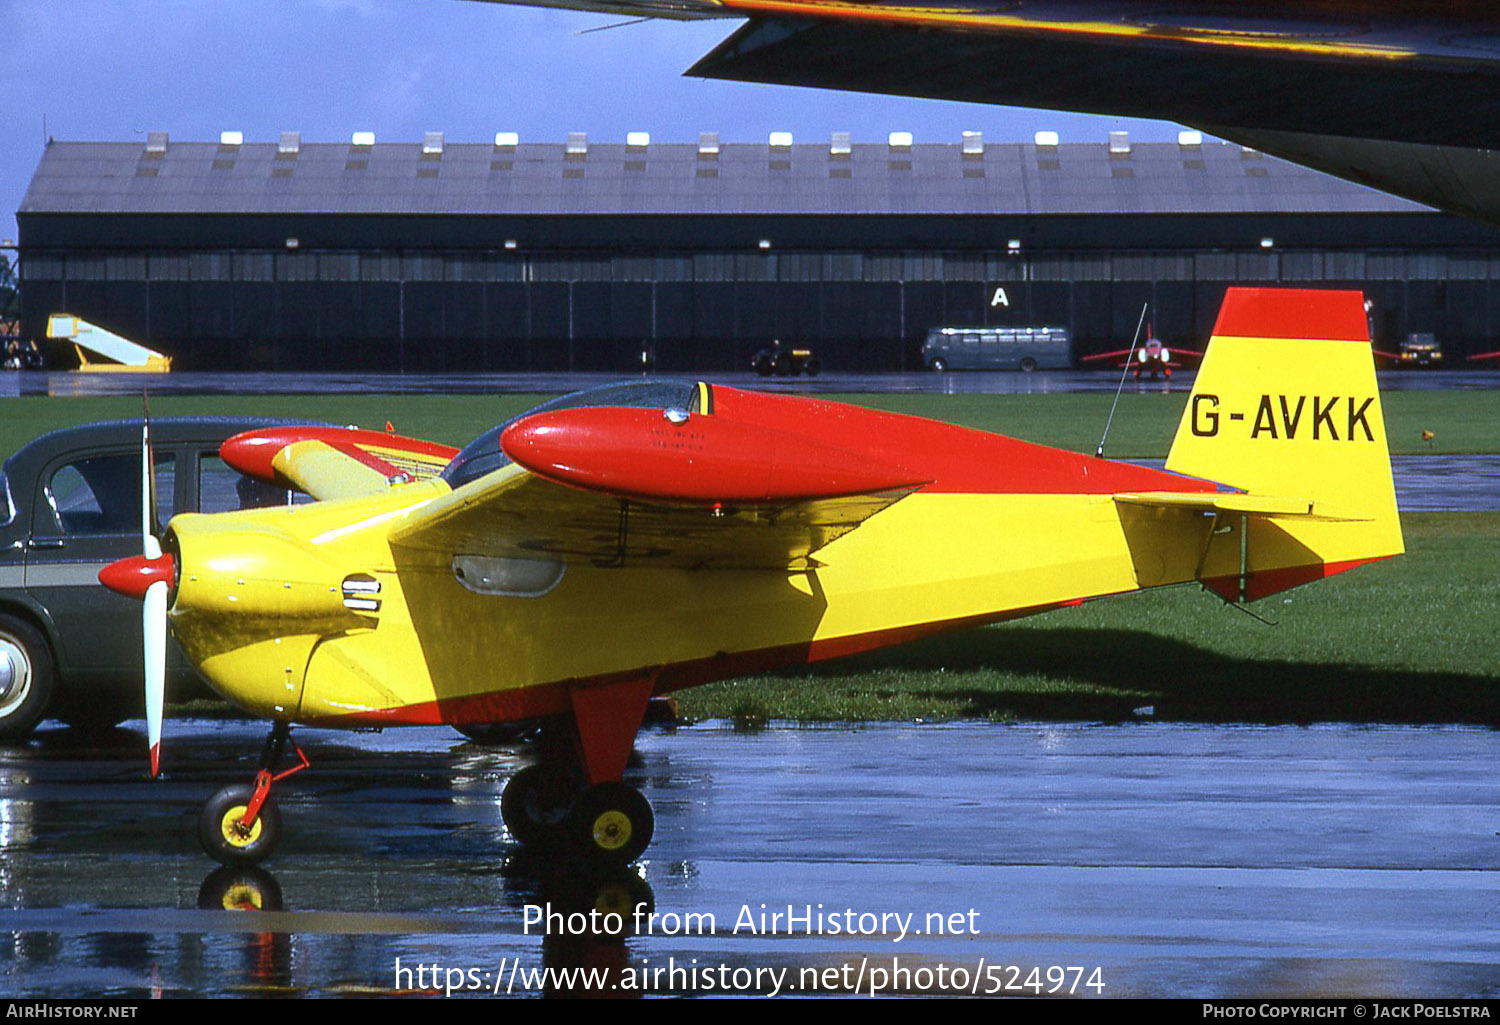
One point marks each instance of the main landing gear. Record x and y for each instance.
(572, 798)
(552, 804)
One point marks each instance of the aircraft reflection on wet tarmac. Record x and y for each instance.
(1175, 860)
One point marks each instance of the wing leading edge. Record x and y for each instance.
(334, 462)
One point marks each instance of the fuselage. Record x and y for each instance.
(310, 613)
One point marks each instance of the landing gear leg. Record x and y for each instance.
(241, 825)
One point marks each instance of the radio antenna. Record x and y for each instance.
(1135, 340)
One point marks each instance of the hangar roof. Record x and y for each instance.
(583, 178)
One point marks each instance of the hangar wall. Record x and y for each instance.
(550, 269)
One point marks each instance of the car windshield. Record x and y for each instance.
(484, 455)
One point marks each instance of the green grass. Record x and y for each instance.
(1463, 421)
(1405, 640)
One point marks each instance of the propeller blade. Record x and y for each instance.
(154, 606)
(149, 544)
(154, 632)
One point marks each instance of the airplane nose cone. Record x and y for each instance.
(131, 577)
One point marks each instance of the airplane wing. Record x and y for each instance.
(615, 486)
(1482, 355)
(1338, 67)
(1401, 95)
(514, 514)
(334, 462)
(1117, 355)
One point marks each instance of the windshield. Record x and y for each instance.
(483, 455)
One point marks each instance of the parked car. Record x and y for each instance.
(69, 648)
(785, 362)
(1421, 349)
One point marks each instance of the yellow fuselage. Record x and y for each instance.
(261, 607)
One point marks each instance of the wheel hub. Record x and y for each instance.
(234, 829)
(13, 676)
(612, 830)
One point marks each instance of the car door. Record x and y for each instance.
(86, 513)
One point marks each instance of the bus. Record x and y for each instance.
(998, 348)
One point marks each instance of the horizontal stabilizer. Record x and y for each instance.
(1235, 502)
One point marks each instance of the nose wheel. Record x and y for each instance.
(230, 835)
(241, 825)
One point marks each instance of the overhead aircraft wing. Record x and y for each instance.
(1379, 69)
(1374, 69)
(647, 487)
(1398, 94)
(334, 462)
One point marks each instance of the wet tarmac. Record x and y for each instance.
(1138, 859)
(1056, 382)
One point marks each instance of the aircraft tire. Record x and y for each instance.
(529, 806)
(223, 839)
(611, 824)
(26, 677)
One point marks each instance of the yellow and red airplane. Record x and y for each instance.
(632, 540)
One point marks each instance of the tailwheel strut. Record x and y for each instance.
(241, 825)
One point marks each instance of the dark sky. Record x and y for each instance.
(114, 70)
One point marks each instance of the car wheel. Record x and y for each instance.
(939, 365)
(1028, 365)
(26, 677)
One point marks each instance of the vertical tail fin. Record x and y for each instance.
(1286, 405)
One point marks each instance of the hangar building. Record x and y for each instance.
(434, 256)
